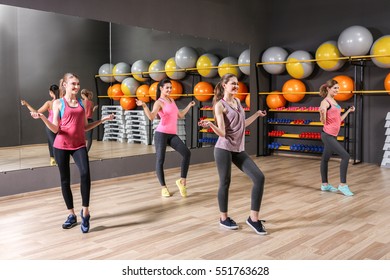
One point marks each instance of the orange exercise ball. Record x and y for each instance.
(142, 93)
(275, 100)
(387, 83)
(177, 90)
(346, 86)
(153, 90)
(109, 91)
(203, 91)
(292, 86)
(128, 103)
(242, 88)
(248, 100)
(116, 92)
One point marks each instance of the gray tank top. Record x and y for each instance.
(234, 139)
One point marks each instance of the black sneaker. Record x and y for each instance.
(228, 223)
(257, 226)
(84, 222)
(70, 222)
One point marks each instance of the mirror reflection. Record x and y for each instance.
(37, 48)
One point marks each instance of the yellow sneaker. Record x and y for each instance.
(182, 188)
(165, 192)
(53, 161)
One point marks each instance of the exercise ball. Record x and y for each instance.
(186, 57)
(355, 40)
(177, 90)
(142, 93)
(297, 69)
(106, 69)
(245, 58)
(242, 88)
(203, 91)
(121, 68)
(346, 85)
(138, 68)
(129, 86)
(207, 60)
(328, 55)
(153, 90)
(381, 47)
(225, 66)
(172, 70)
(387, 83)
(275, 100)
(157, 70)
(293, 89)
(116, 92)
(274, 55)
(248, 100)
(128, 103)
(109, 91)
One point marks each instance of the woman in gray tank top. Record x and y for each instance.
(230, 124)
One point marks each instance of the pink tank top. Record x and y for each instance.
(333, 120)
(71, 133)
(234, 119)
(88, 109)
(50, 117)
(168, 117)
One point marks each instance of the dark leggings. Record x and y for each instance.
(331, 145)
(161, 141)
(224, 161)
(89, 134)
(80, 157)
(50, 140)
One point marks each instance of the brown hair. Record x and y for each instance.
(324, 88)
(88, 94)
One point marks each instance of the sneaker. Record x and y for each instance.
(182, 188)
(345, 190)
(257, 226)
(70, 222)
(84, 222)
(165, 192)
(228, 223)
(53, 161)
(328, 188)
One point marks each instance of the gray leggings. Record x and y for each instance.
(161, 141)
(224, 160)
(331, 145)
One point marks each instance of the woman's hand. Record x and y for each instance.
(192, 103)
(204, 123)
(108, 118)
(36, 115)
(139, 103)
(23, 102)
(352, 109)
(261, 113)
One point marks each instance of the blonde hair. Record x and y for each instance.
(324, 88)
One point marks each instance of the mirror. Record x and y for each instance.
(37, 48)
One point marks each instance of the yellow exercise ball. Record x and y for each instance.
(297, 65)
(328, 55)
(203, 64)
(225, 66)
(381, 47)
(171, 70)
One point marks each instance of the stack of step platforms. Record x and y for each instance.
(137, 127)
(114, 130)
(386, 147)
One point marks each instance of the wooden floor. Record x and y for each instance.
(33, 156)
(130, 220)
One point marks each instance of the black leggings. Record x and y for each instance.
(50, 140)
(331, 145)
(80, 157)
(224, 160)
(161, 141)
(89, 134)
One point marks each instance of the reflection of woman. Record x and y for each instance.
(70, 141)
(330, 116)
(89, 108)
(48, 106)
(230, 148)
(166, 134)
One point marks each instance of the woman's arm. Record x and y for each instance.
(53, 126)
(252, 118)
(323, 109)
(150, 114)
(350, 109)
(220, 128)
(183, 112)
(43, 108)
(92, 125)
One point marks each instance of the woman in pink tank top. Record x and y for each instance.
(70, 123)
(165, 134)
(330, 116)
(47, 107)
